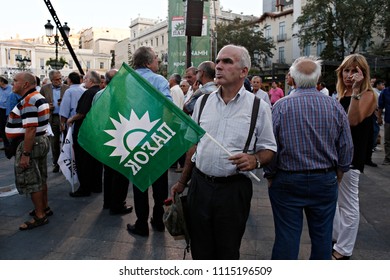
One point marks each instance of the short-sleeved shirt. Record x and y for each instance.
(4, 95)
(70, 99)
(229, 124)
(83, 106)
(31, 111)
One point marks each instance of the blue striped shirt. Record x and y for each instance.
(312, 132)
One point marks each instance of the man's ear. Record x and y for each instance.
(244, 72)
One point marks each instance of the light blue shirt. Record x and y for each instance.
(229, 124)
(4, 95)
(158, 81)
(56, 96)
(12, 101)
(69, 100)
(263, 95)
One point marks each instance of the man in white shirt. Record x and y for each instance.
(176, 92)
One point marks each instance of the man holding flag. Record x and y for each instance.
(220, 190)
(145, 61)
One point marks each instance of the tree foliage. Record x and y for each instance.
(344, 26)
(246, 34)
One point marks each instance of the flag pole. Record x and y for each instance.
(229, 153)
(71, 156)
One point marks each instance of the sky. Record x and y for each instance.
(28, 17)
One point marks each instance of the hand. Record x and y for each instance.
(195, 86)
(51, 107)
(357, 78)
(24, 162)
(69, 122)
(243, 161)
(177, 188)
(269, 182)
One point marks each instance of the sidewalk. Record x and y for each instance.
(81, 230)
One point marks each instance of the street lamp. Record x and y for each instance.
(23, 63)
(49, 34)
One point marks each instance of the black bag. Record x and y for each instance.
(10, 150)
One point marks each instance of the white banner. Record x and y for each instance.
(67, 162)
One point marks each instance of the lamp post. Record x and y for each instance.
(49, 34)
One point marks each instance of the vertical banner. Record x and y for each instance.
(177, 41)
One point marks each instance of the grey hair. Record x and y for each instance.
(52, 73)
(244, 57)
(306, 76)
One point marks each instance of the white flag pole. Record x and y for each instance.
(72, 154)
(229, 153)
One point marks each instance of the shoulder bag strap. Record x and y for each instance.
(202, 103)
(255, 112)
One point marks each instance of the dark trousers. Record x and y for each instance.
(115, 189)
(55, 141)
(217, 215)
(89, 170)
(3, 122)
(141, 202)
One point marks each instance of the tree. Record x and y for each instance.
(246, 34)
(345, 26)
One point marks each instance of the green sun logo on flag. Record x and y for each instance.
(128, 133)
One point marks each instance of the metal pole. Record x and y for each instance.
(56, 42)
(188, 56)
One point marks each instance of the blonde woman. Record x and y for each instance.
(358, 98)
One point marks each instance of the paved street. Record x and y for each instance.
(81, 229)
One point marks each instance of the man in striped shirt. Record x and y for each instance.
(28, 121)
(314, 150)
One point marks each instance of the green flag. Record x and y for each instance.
(136, 130)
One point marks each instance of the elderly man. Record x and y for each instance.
(256, 83)
(220, 191)
(205, 76)
(145, 61)
(314, 150)
(89, 169)
(53, 93)
(176, 92)
(28, 120)
(5, 93)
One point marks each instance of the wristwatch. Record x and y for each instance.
(258, 163)
(27, 154)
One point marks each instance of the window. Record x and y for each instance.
(306, 50)
(282, 31)
(70, 64)
(320, 48)
(151, 43)
(162, 39)
(42, 63)
(101, 65)
(281, 55)
(156, 41)
(267, 32)
(88, 64)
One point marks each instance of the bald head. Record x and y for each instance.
(306, 71)
(110, 74)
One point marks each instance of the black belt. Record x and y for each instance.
(215, 179)
(312, 171)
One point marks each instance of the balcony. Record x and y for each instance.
(281, 37)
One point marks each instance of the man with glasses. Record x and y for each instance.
(53, 92)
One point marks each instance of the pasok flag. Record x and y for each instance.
(134, 129)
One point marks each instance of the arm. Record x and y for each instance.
(76, 117)
(247, 162)
(362, 108)
(27, 146)
(186, 174)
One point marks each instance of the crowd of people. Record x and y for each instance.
(311, 147)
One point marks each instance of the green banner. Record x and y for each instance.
(177, 41)
(136, 130)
